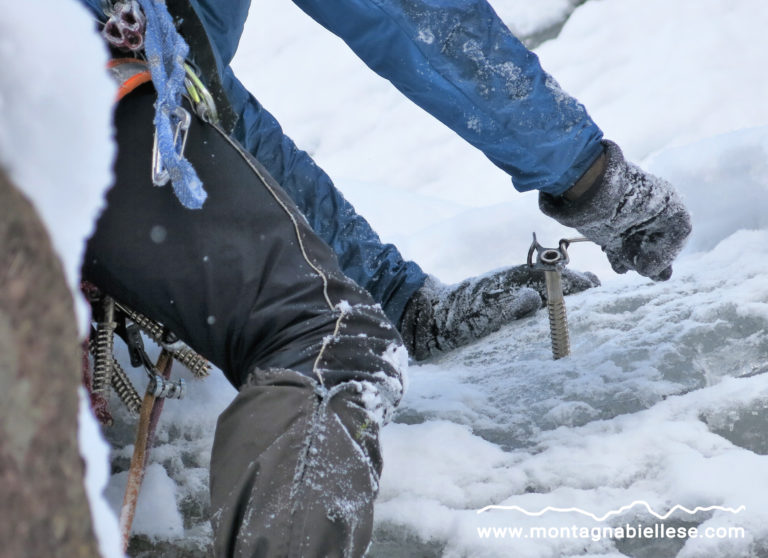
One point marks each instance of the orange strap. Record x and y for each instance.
(129, 73)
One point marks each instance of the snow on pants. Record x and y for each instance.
(245, 282)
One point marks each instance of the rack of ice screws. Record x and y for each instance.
(552, 261)
(112, 317)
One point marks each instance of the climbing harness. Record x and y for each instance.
(151, 30)
(552, 261)
(130, 73)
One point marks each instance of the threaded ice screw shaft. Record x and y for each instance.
(120, 382)
(552, 261)
(124, 389)
(558, 319)
(104, 343)
(196, 364)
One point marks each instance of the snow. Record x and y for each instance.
(43, 100)
(95, 451)
(526, 18)
(664, 399)
(156, 513)
(694, 68)
(646, 408)
(64, 174)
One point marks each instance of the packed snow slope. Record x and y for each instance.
(665, 397)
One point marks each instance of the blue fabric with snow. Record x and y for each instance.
(454, 58)
(457, 60)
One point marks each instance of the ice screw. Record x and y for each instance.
(552, 261)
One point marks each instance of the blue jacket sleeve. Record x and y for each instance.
(457, 60)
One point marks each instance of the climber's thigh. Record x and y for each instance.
(243, 280)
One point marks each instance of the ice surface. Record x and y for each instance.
(156, 513)
(646, 408)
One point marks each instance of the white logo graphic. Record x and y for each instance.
(612, 513)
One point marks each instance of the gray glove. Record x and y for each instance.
(638, 219)
(439, 317)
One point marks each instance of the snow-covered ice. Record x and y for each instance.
(665, 397)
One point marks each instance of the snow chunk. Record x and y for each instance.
(426, 36)
(55, 121)
(157, 514)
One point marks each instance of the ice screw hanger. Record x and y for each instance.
(552, 261)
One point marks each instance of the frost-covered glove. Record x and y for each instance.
(638, 219)
(439, 317)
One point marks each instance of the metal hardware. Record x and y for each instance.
(104, 344)
(124, 389)
(120, 381)
(552, 261)
(166, 389)
(196, 364)
(160, 175)
(125, 26)
(201, 98)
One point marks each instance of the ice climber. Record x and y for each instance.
(252, 257)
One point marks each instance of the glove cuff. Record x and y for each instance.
(638, 219)
(595, 205)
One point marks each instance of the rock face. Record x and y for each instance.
(43, 505)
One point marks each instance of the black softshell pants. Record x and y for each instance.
(246, 283)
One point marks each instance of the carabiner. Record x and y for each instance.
(160, 175)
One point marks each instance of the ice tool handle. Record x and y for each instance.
(552, 261)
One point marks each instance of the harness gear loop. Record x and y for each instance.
(166, 339)
(113, 317)
(129, 73)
